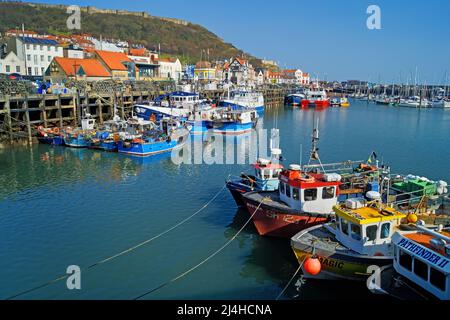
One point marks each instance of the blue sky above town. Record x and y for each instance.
(328, 38)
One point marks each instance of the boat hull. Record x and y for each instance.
(238, 107)
(54, 141)
(148, 149)
(76, 141)
(233, 128)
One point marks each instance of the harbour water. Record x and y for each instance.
(62, 207)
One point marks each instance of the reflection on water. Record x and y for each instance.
(61, 206)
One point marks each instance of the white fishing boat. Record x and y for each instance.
(414, 102)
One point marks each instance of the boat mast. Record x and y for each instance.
(314, 155)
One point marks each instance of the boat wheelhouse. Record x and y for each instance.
(295, 99)
(234, 122)
(359, 238)
(244, 100)
(265, 178)
(108, 136)
(302, 201)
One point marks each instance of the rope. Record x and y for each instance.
(64, 277)
(202, 262)
(292, 279)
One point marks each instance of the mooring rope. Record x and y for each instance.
(203, 261)
(64, 277)
(292, 279)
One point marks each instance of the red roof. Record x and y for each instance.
(172, 60)
(141, 52)
(114, 60)
(91, 67)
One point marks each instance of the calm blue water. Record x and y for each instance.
(61, 207)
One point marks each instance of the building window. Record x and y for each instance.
(41, 47)
(371, 233)
(28, 46)
(328, 192)
(8, 68)
(29, 71)
(438, 279)
(28, 57)
(421, 269)
(310, 194)
(42, 70)
(34, 47)
(49, 58)
(36, 71)
(48, 48)
(18, 69)
(405, 260)
(35, 59)
(42, 58)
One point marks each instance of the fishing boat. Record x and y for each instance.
(307, 195)
(175, 104)
(144, 138)
(234, 122)
(441, 103)
(51, 136)
(359, 238)
(316, 97)
(421, 266)
(265, 178)
(295, 99)
(80, 137)
(107, 138)
(244, 99)
(344, 102)
(335, 102)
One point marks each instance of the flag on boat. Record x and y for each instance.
(373, 157)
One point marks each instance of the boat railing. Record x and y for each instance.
(332, 167)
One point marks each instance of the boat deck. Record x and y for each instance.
(269, 200)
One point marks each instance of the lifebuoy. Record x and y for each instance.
(56, 130)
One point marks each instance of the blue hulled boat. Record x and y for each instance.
(50, 136)
(144, 139)
(265, 178)
(239, 100)
(234, 122)
(80, 137)
(295, 99)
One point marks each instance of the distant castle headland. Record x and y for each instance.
(94, 10)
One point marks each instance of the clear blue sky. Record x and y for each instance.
(328, 38)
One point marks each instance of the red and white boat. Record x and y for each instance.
(307, 195)
(316, 97)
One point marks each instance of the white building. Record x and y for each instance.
(170, 69)
(73, 52)
(36, 53)
(103, 45)
(12, 64)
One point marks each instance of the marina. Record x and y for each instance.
(252, 265)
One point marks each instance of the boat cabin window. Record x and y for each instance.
(266, 174)
(344, 226)
(296, 194)
(371, 233)
(288, 191)
(328, 192)
(356, 232)
(282, 188)
(385, 231)
(310, 194)
(438, 279)
(276, 173)
(405, 260)
(421, 269)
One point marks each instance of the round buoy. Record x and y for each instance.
(312, 266)
(379, 254)
(412, 218)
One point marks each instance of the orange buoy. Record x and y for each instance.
(312, 266)
(412, 218)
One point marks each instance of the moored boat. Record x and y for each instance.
(344, 103)
(234, 122)
(244, 99)
(80, 137)
(316, 97)
(421, 266)
(295, 99)
(51, 136)
(265, 178)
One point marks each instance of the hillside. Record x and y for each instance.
(183, 39)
